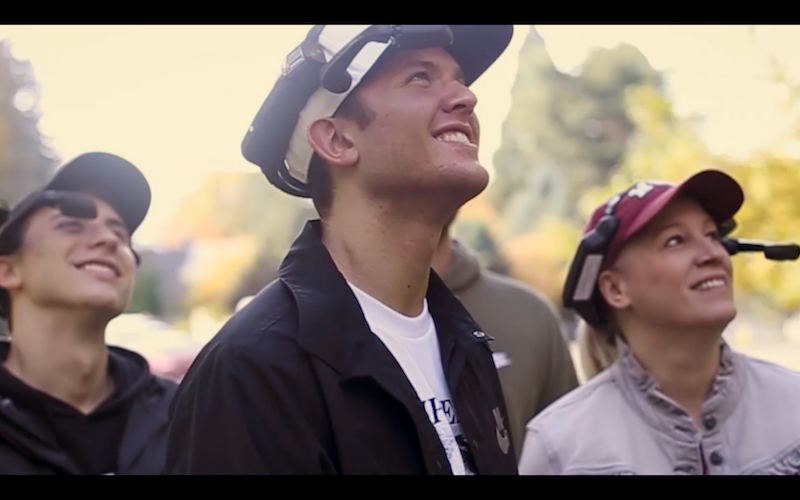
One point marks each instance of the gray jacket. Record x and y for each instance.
(619, 423)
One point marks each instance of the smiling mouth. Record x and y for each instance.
(710, 284)
(456, 137)
(100, 269)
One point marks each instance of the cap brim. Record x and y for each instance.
(475, 48)
(112, 179)
(717, 192)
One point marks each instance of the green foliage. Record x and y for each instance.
(26, 161)
(564, 132)
(263, 271)
(475, 234)
(665, 147)
(256, 222)
(146, 293)
(541, 257)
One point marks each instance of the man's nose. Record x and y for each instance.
(102, 235)
(460, 99)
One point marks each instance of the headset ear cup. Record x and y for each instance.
(595, 243)
(608, 227)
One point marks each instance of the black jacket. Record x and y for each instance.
(40, 435)
(296, 383)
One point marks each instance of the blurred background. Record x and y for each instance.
(569, 114)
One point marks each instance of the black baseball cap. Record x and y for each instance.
(103, 175)
(314, 84)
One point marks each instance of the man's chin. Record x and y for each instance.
(106, 306)
(466, 187)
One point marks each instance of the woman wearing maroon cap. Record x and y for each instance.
(653, 276)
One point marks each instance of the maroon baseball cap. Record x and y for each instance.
(717, 192)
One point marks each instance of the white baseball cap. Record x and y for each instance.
(313, 85)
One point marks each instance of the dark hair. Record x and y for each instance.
(11, 245)
(319, 177)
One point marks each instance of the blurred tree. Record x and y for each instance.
(147, 293)
(476, 235)
(481, 209)
(781, 75)
(229, 207)
(541, 258)
(564, 132)
(263, 271)
(233, 203)
(218, 269)
(665, 147)
(26, 159)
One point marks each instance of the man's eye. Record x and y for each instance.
(70, 224)
(421, 74)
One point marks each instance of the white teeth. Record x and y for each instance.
(99, 267)
(454, 137)
(707, 285)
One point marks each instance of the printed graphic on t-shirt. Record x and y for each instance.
(443, 417)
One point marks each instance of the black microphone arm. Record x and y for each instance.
(772, 251)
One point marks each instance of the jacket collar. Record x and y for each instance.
(642, 390)
(331, 324)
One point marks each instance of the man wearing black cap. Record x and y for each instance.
(68, 403)
(358, 359)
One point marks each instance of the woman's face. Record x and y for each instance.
(675, 273)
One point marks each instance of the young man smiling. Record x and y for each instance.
(68, 403)
(358, 359)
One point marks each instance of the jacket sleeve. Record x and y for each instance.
(247, 410)
(535, 459)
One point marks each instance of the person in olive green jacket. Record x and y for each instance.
(530, 347)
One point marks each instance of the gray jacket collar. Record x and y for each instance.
(641, 390)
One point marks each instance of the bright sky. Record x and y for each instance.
(177, 100)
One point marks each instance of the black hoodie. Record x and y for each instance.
(125, 435)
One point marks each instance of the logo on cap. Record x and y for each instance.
(641, 190)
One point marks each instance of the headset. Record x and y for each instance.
(580, 289)
(581, 286)
(304, 70)
(334, 76)
(68, 203)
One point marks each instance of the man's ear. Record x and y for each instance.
(9, 273)
(331, 141)
(612, 287)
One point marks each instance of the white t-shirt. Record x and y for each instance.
(415, 345)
